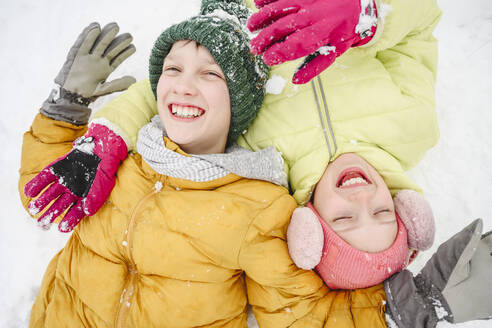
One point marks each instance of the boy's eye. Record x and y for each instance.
(213, 74)
(341, 218)
(386, 210)
(171, 69)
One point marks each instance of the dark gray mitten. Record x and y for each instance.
(455, 284)
(94, 56)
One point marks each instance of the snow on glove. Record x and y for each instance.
(80, 181)
(454, 284)
(319, 29)
(94, 55)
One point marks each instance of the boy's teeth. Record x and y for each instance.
(354, 181)
(185, 112)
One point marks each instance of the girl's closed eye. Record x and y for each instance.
(385, 210)
(341, 218)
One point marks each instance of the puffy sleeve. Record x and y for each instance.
(127, 113)
(406, 46)
(280, 293)
(397, 19)
(46, 141)
(408, 51)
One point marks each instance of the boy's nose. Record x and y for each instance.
(185, 86)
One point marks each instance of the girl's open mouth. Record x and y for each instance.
(352, 177)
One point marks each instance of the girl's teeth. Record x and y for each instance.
(354, 181)
(185, 112)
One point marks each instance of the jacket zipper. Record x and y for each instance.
(324, 116)
(129, 288)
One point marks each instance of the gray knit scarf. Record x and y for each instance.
(266, 164)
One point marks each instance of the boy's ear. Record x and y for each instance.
(305, 238)
(416, 213)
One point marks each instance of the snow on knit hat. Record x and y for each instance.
(343, 266)
(221, 28)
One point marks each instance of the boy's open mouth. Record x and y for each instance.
(352, 177)
(185, 111)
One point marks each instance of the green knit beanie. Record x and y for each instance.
(221, 28)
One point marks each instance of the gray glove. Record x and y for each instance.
(455, 284)
(82, 79)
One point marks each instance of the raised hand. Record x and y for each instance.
(81, 181)
(319, 29)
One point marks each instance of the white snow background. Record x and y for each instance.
(35, 37)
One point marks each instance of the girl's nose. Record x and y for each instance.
(362, 195)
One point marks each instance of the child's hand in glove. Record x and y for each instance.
(82, 180)
(319, 29)
(454, 284)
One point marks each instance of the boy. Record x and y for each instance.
(171, 244)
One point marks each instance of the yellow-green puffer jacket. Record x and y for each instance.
(167, 252)
(376, 101)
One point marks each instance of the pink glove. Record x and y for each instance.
(319, 29)
(80, 180)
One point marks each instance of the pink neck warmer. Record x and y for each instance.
(342, 266)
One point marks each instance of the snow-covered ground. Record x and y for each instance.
(36, 35)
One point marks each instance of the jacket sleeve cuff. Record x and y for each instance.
(381, 12)
(114, 128)
(65, 111)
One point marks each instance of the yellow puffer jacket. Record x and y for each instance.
(167, 252)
